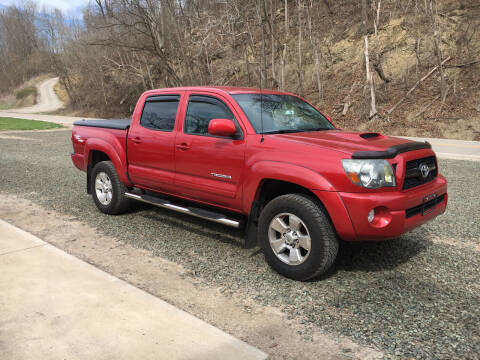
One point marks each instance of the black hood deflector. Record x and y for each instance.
(392, 151)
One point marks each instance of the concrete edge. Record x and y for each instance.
(48, 247)
(30, 236)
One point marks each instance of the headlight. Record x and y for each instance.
(372, 174)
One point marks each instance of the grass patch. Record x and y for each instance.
(6, 106)
(7, 123)
(26, 92)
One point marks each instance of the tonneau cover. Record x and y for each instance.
(118, 124)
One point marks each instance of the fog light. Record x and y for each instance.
(371, 215)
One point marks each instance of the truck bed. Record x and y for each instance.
(117, 124)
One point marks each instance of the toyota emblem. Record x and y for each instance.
(424, 170)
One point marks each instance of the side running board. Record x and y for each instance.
(200, 213)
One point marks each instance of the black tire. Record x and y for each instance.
(118, 203)
(323, 238)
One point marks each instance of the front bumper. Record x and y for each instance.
(392, 219)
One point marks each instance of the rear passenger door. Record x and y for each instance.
(151, 143)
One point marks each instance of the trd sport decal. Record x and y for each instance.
(221, 175)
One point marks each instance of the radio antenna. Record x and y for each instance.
(262, 65)
(261, 113)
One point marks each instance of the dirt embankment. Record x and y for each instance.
(402, 52)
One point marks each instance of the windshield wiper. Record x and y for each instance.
(283, 131)
(318, 129)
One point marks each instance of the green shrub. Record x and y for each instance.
(26, 92)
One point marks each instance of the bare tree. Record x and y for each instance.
(369, 74)
(300, 39)
(438, 50)
(286, 18)
(272, 40)
(364, 15)
(314, 43)
(261, 24)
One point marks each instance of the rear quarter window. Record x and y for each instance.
(160, 114)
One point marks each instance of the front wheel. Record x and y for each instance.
(296, 236)
(107, 190)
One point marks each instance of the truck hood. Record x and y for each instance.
(343, 141)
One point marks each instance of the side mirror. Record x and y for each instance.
(222, 127)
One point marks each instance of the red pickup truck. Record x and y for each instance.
(265, 161)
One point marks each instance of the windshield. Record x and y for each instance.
(281, 114)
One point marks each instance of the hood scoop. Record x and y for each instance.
(370, 135)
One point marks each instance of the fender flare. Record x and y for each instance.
(282, 171)
(114, 150)
(305, 177)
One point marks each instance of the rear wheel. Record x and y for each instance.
(107, 190)
(296, 236)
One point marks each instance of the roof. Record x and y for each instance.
(228, 89)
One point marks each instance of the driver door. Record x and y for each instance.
(208, 168)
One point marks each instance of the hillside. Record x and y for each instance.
(315, 49)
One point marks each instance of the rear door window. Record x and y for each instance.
(159, 112)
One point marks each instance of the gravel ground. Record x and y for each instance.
(417, 296)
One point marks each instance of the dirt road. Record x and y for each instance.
(47, 99)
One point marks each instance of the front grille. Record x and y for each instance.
(423, 208)
(413, 173)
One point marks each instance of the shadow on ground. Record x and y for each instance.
(380, 255)
(367, 256)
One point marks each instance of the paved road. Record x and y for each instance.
(453, 149)
(55, 306)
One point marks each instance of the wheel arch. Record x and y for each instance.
(97, 150)
(270, 189)
(94, 157)
(282, 178)
(273, 174)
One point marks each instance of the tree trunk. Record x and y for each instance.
(286, 18)
(300, 75)
(438, 53)
(317, 67)
(373, 109)
(272, 41)
(263, 60)
(364, 16)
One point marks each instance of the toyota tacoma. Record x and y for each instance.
(265, 161)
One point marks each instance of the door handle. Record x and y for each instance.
(183, 146)
(137, 140)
